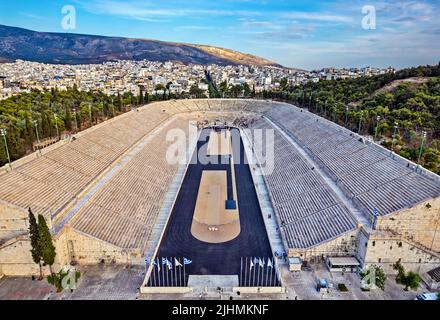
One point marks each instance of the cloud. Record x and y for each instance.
(195, 27)
(30, 15)
(146, 11)
(319, 16)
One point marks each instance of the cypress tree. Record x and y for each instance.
(47, 248)
(35, 241)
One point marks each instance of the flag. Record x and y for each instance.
(186, 261)
(255, 260)
(177, 263)
(157, 264)
(269, 263)
(261, 262)
(167, 262)
(252, 264)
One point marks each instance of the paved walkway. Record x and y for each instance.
(271, 224)
(272, 228)
(167, 207)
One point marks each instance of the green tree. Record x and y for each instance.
(376, 274)
(35, 241)
(412, 281)
(409, 280)
(47, 248)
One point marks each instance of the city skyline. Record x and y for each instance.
(299, 34)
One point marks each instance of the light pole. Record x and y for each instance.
(346, 116)
(377, 127)
(113, 108)
(76, 121)
(90, 114)
(421, 149)
(394, 136)
(360, 123)
(3, 132)
(36, 130)
(56, 124)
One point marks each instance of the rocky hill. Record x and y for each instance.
(68, 48)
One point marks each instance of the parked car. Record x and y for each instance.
(427, 296)
(322, 286)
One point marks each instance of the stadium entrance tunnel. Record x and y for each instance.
(245, 253)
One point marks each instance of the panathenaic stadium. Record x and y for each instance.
(308, 191)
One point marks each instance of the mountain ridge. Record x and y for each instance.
(73, 48)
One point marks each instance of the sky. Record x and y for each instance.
(301, 34)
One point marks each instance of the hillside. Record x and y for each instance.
(235, 56)
(67, 48)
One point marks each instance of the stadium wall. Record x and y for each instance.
(344, 245)
(82, 249)
(16, 259)
(385, 249)
(419, 224)
(13, 220)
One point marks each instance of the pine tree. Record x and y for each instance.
(35, 241)
(47, 248)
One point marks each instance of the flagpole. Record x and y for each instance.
(253, 281)
(267, 269)
(155, 279)
(175, 273)
(271, 271)
(245, 271)
(241, 270)
(258, 273)
(152, 277)
(163, 275)
(171, 273)
(184, 275)
(159, 271)
(180, 275)
(166, 269)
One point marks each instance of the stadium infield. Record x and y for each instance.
(216, 258)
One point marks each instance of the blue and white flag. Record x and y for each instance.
(157, 264)
(177, 263)
(269, 263)
(375, 212)
(167, 262)
(261, 263)
(186, 261)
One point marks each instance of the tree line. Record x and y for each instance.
(396, 118)
(38, 115)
